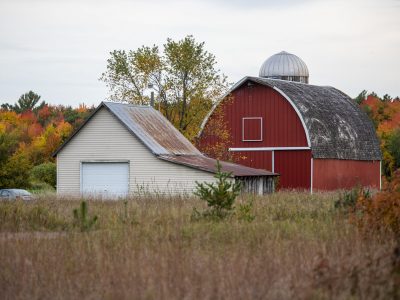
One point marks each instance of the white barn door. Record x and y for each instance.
(105, 179)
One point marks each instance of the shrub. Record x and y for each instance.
(348, 199)
(46, 172)
(15, 170)
(381, 212)
(220, 196)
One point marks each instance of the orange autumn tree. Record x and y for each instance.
(29, 134)
(385, 114)
(219, 138)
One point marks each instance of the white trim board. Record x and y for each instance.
(269, 149)
(261, 129)
(312, 175)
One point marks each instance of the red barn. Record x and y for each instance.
(315, 137)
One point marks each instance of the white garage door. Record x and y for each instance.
(105, 179)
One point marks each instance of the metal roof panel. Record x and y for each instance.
(205, 163)
(153, 129)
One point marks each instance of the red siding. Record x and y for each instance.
(295, 169)
(331, 174)
(293, 166)
(281, 128)
(281, 125)
(255, 159)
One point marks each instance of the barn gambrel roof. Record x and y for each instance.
(335, 125)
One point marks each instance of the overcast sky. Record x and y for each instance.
(59, 49)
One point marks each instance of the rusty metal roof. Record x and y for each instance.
(152, 128)
(164, 140)
(204, 163)
(149, 126)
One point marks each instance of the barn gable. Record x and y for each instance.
(335, 126)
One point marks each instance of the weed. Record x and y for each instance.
(82, 219)
(296, 244)
(19, 216)
(245, 211)
(348, 199)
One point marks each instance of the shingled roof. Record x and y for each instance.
(154, 131)
(335, 125)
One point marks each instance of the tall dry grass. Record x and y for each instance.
(297, 247)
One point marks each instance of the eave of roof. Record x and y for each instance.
(208, 164)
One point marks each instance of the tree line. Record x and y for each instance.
(30, 131)
(385, 114)
(186, 82)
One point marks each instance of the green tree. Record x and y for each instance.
(184, 77)
(387, 98)
(46, 172)
(361, 97)
(393, 146)
(8, 144)
(14, 173)
(27, 101)
(220, 196)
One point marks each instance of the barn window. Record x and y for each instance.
(252, 129)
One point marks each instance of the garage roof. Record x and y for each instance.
(164, 140)
(204, 163)
(152, 128)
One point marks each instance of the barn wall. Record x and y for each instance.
(331, 174)
(295, 169)
(254, 159)
(281, 128)
(281, 125)
(104, 138)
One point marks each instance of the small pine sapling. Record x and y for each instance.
(220, 196)
(81, 217)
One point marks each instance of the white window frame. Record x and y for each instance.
(261, 125)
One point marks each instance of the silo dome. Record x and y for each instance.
(285, 66)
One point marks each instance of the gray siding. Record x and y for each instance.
(104, 138)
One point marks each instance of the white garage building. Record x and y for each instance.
(125, 149)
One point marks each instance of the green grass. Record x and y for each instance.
(297, 247)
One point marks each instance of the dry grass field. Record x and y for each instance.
(287, 246)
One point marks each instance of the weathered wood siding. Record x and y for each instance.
(105, 139)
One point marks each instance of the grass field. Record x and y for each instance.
(297, 247)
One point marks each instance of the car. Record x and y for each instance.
(15, 194)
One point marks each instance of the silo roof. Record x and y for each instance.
(283, 64)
